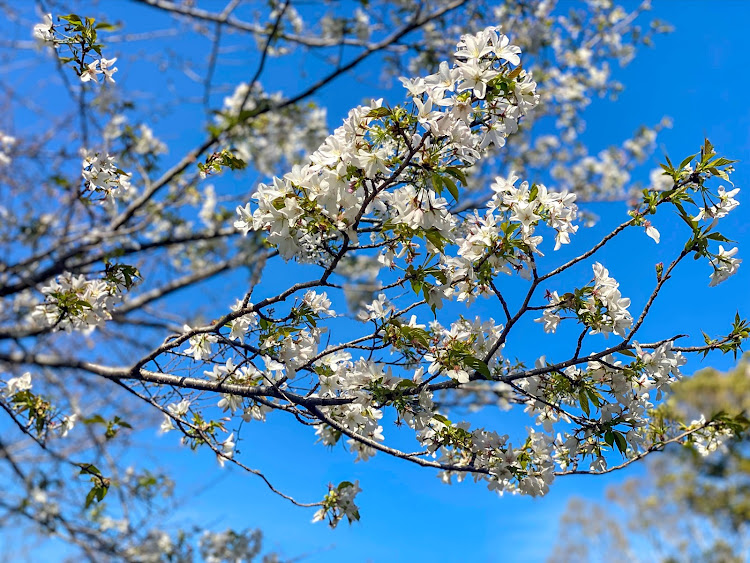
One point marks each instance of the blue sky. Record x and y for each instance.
(697, 76)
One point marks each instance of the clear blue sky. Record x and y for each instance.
(697, 76)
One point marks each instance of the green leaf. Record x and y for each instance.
(621, 442)
(478, 365)
(72, 18)
(426, 288)
(594, 397)
(437, 240)
(451, 187)
(721, 161)
(720, 173)
(379, 112)
(97, 492)
(96, 419)
(669, 171)
(515, 72)
(584, 400)
(707, 152)
(686, 161)
(441, 418)
(437, 183)
(457, 173)
(90, 497)
(719, 237)
(534, 192)
(416, 286)
(89, 468)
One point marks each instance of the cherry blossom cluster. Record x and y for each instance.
(709, 437)
(572, 67)
(40, 412)
(605, 310)
(340, 377)
(465, 339)
(530, 205)
(527, 470)
(530, 469)
(689, 187)
(101, 174)
(339, 504)
(17, 384)
(79, 35)
(100, 67)
(44, 32)
(174, 410)
(722, 207)
(247, 375)
(503, 240)
(76, 303)
(455, 115)
(625, 395)
(599, 306)
(725, 265)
